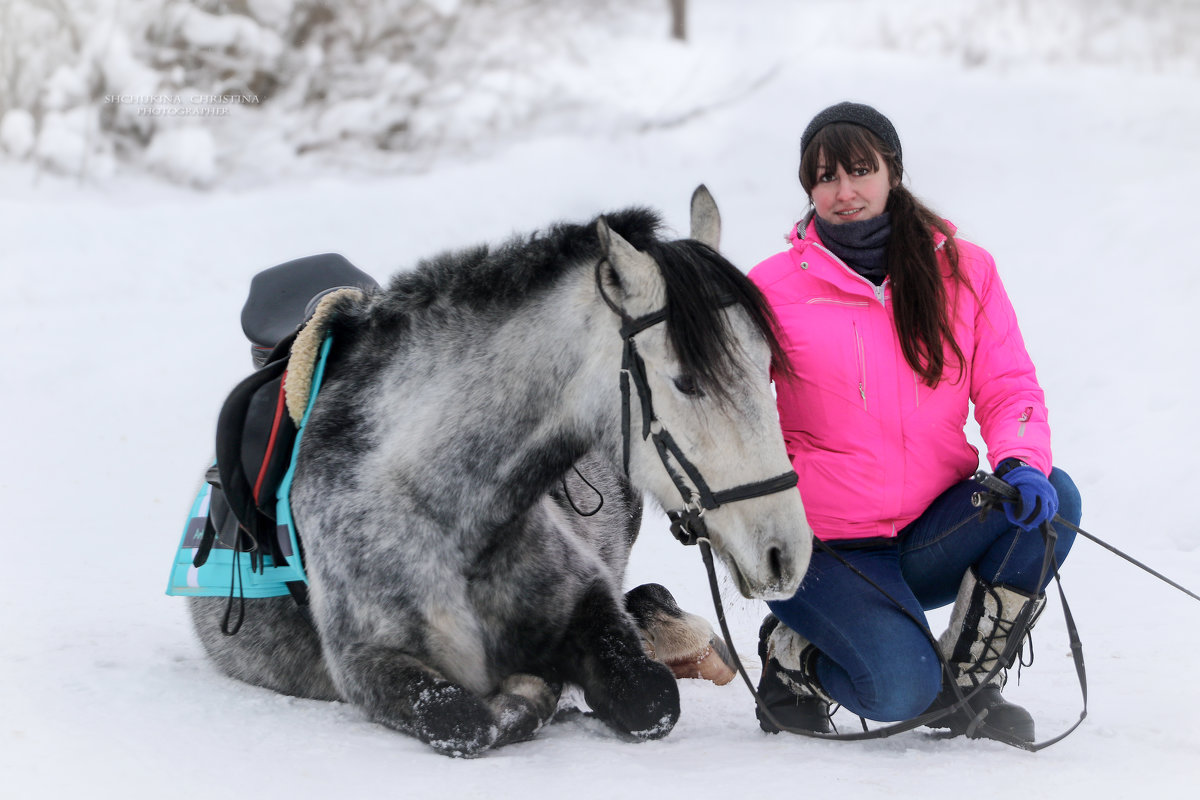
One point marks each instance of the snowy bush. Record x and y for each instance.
(249, 85)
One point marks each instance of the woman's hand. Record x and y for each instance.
(1038, 501)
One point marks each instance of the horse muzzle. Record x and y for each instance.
(769, 562)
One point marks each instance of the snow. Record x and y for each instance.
(17, 132)
(184, 154)
(122, 338)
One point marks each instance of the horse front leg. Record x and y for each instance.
(631, 692)
(401, 692)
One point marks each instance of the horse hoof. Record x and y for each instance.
(522, 705)
(542, 696)
(683, 641)
(711, 664)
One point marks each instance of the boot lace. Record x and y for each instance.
(1002, 629)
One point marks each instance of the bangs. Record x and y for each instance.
(841, 143)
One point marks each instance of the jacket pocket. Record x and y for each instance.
(830, 301)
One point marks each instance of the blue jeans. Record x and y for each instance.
(875, 659)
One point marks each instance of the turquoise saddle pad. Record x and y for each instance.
(225, 572)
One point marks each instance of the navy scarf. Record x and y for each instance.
(862, 245)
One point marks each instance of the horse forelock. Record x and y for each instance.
(700, 283)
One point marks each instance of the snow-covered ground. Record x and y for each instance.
(122, 338)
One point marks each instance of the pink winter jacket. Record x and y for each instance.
(872, 444)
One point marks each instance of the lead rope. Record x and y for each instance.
(878, 733)
(1011, 649)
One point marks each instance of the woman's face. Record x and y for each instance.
(842, 195)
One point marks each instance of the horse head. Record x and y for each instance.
(702, 431)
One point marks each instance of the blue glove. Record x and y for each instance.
(1038, 500)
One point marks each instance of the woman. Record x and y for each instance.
(893, 326)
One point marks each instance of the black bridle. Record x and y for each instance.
(687, 522)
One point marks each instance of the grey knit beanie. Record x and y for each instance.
(856, 114)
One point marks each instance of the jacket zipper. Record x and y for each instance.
(861, 355)
(1025, 415)
(879, 291)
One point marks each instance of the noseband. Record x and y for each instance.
(687, 523)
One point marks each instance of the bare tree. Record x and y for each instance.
(679, 20)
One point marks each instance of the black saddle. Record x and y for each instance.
(255, 434)
(283, 297)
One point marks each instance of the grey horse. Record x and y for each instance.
(454, 586)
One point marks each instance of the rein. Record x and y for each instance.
(1015, 638)
(994, 492)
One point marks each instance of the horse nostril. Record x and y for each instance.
(775, 563)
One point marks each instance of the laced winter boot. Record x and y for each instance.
(788, 686)
(982, 624)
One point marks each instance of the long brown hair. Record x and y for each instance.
(920, 304)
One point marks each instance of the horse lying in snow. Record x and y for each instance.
(453, 586)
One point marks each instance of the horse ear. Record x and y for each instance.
(706, 219)
(633, 274)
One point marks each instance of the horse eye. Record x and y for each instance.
(686, 384)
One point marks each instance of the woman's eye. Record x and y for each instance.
(861, 171)
(686, 384)
(825, 178)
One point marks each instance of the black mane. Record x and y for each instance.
(482, 277)
(699, 283)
